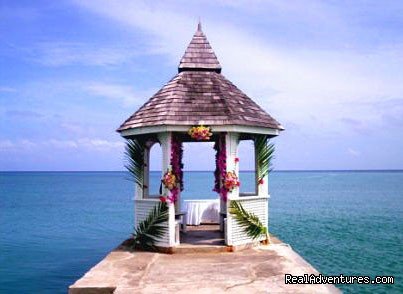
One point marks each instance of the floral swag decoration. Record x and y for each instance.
(169, 180)
(173, 178)
(221, 166)
(231, 181)
(224, 181)
(200, 133)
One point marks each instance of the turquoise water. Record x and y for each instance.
(55, 226)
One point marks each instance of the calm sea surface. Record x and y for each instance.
(55, 226)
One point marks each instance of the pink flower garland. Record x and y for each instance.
(177, 166)
(221, 166)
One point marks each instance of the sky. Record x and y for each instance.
(331, 72)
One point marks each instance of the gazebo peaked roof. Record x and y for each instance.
(199, 55)
(200, 95)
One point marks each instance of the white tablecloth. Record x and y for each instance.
(202, 211)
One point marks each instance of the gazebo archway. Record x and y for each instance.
(200, 205)
(199, 165)
(155, 169)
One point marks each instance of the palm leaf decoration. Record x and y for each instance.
(250, 223)
(265, 155)
(152, 228)
(134, 155)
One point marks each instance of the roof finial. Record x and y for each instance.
(199, 27)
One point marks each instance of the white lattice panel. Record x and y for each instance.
(258, 206)
(142, 209)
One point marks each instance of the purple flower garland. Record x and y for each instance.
(221, 166)
(177, 166)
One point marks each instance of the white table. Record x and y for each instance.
(202, 211)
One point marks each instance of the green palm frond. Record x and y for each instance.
(152, 228)
(264, 156)
(251, 224)
(134, 155)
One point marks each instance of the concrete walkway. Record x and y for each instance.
(257, 270)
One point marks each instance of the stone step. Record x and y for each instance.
(183, 249)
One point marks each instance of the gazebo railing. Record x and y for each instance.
(254, 204)
(142, 209)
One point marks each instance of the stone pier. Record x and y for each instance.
(255, 270)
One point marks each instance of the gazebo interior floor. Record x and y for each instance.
(202, 235)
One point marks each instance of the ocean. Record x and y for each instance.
(54, 226)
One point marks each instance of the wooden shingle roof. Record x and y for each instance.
(199, 55)
(200, 94)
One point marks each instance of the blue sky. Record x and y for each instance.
(330, 71)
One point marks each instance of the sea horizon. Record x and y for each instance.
(279, 170)
(72, 219)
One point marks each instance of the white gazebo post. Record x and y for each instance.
(231, 145)
(165, 140)
(262, 189)
(146, 172)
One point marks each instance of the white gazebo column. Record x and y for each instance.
(165, 140)
(146, 175)
(231, 145)
(139, 190)
(139, 194)
(263, 190)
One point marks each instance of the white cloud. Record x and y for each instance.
(169, 27)
(100, 144)
(7, 89)
(68, 53)
(353, 152)
(46, 89)
(294, 84)
(25, 144)
(317, 71)
(6, 144)
(89, 144)
(60, 143)
(123, 93)
(73, 128)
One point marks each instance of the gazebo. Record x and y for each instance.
(200, 104)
